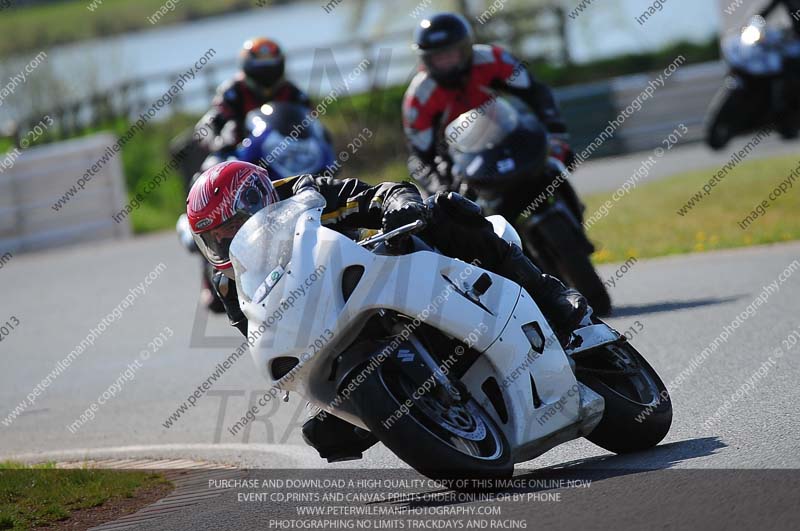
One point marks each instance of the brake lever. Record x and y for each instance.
(399, 231)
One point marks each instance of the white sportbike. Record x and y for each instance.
(452, 367)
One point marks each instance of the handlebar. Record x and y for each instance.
(399, 231)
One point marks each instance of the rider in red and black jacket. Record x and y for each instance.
(260, 80)
(458, 75)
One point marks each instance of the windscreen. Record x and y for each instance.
(293, 157)
(262, 248)
(482, 128)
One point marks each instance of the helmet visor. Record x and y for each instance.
(215, 244)
(264, 72)
(448, 61)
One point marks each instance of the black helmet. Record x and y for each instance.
(262, 62)
(444, 43)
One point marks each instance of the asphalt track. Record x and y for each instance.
(682, 304)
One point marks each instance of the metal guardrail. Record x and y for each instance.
(587, 108)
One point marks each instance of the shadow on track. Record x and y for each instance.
(660, 307)
(661, 457)
(587, 471)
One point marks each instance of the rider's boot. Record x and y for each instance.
(459, 229)
(335, 439)
(564, 308)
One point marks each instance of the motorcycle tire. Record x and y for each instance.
(719, 127)
(426, 436)
(579, 272)
(638, 409)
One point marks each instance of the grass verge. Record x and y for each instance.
(42, 495)
(43, 26)
(645, 223)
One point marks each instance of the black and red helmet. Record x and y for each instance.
(262, 63)
(221, 200)
(444, 44)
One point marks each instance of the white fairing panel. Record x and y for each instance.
(505, 230)
(524, 372)
(306, 302)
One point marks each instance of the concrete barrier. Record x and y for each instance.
(33, 180)
(683, 99)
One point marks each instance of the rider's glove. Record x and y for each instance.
(402, 213)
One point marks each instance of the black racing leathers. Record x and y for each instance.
(456, 227)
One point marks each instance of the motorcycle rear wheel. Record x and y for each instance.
(571, 265)
(638, 409)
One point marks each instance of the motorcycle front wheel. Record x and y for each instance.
(438, 438)
(721, 120)
(638, 409)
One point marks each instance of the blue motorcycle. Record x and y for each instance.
(286, 140)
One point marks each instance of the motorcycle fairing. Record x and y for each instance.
(315, 323)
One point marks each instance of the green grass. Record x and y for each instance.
(392, 172)
(145, 157)
(41, 495)
(142, 159)
(645, 223)
(43, 26)
(633, 63)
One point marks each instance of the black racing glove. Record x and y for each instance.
(402, 210)
(226, 291)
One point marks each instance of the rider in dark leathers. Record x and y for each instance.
(453, 224)
(260, 80)
(790, 83)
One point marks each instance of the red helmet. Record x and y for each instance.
(262, 63)
(221, 200)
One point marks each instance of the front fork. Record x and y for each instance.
(453, 392)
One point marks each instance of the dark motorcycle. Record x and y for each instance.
(500, 157)
(757, 92)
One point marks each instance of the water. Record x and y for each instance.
(606, 28)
